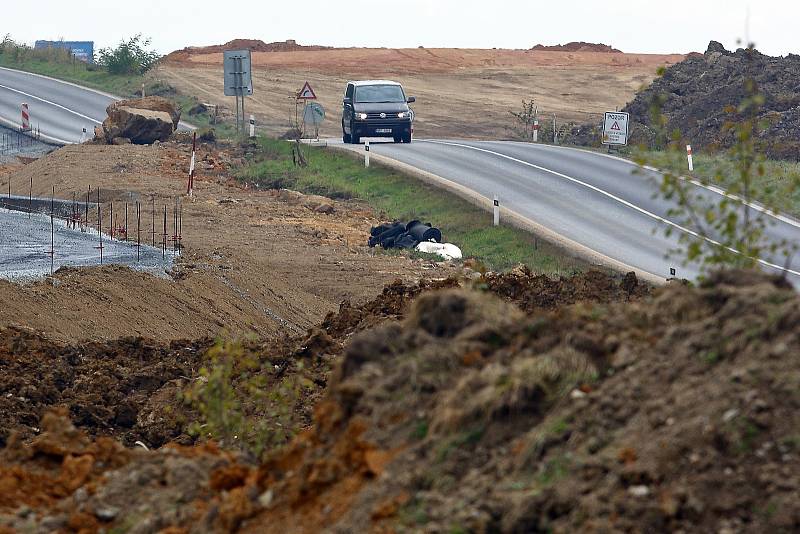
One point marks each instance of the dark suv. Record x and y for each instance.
(376, 108)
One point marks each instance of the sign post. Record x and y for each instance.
(496, 204)
(366, 153)
(690, 157)
(252, 126)
(536, 131)
(238, 80)
(615, 128)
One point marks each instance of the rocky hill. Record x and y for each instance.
(577, 46)
(701, 94)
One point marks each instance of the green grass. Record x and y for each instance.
(56, 65)
(721, 170)
(400, 197)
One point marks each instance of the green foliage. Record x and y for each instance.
(243, 404)
(524, 119)
(727, 231)
(401, 197)
(129, 57)
(58, 63)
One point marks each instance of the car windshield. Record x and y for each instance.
(373, 94)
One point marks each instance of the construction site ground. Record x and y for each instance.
(460, 92)
(253, 264)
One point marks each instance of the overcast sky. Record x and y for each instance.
(630, 25)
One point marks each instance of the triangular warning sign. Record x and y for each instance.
(616, 127)
(306, 93)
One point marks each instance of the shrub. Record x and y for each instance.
(129, 57)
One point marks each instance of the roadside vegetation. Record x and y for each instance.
(400, 197)
(60, 64)
(728, 233)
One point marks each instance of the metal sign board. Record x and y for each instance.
(615, 128)
(238, 76)
(306, 93)
(313, 114)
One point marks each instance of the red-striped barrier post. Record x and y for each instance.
(689, 157)
(26, 118)
(536, 131)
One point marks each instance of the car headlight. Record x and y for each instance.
(361, 116)
(404, 115)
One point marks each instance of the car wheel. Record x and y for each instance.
(407, 138)
(398, 139)
(346, 137)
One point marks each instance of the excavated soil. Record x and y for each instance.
(677, 412)
(254, 264)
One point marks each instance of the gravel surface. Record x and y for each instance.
(25, 248)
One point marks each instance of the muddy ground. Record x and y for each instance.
(253, 263)
(670, 412)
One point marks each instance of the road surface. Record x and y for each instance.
(59, 109)
(593, 203)
(597, 203)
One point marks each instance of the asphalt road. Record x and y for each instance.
(59, 109)
(604, 204)
(594, 202)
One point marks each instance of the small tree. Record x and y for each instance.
(129, 57)
(524, 120)
(730, 232)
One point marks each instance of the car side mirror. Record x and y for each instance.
(412, 99)
(347, 100)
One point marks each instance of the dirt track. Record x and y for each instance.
(253, 263)
(460, 93)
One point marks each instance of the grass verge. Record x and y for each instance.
(400, 197)
(722, 171)
(77, 72)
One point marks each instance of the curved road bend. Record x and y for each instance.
(59, 109)
(592, 199)
(589, 198)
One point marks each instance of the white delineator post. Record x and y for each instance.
(689, 157)
(190, 185)
(252, 125)
(26, 118)
(83, 136)
(536, 131)
(496, 211)
(366, 153)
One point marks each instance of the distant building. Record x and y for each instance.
(82, 50)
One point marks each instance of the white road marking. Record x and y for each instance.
(81, 115)
(756, 206)
(613, 197)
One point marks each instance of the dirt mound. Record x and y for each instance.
(672, 413)
(118, 389)
(678, 413)
(537, 292)
(578, 46)
(703, 93)
(254, 45)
